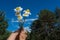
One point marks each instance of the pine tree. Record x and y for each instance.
(58, 23)
(44, 28)
(3, 26)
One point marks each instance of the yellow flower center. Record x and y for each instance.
(27, 10)
(17, 8)
(19, 17)
(25, 14)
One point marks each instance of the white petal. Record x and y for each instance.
(14, 9)
(26, 15)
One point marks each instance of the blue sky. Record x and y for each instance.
(34, 5)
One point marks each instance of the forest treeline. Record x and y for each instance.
(46, 27)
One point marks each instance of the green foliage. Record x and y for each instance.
(45, 27)
(3, 25)
(5, 35)
(58, 15)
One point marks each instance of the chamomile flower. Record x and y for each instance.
(18, 9)
(26, 12)
(19, 17)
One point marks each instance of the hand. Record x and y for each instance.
(12, 36)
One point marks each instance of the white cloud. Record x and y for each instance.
(31, 19)
(25, 20)
(28, 29)
(37, 15)
(14, 20)
(25, 28)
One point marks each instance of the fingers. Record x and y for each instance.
(13, 36)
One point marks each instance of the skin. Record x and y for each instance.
(22, 35)
(12, 36)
